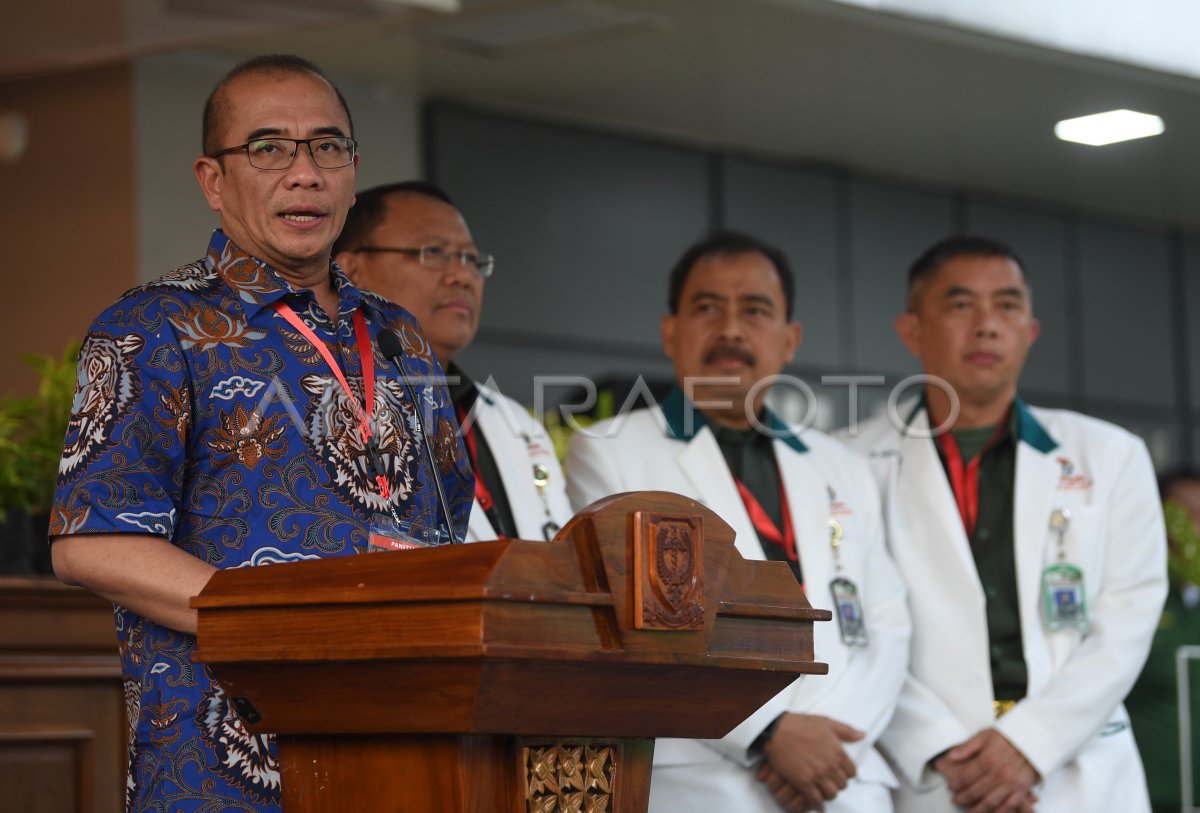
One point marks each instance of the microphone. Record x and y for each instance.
(390, 345)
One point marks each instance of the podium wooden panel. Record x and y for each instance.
(507, 676)
(63, 735)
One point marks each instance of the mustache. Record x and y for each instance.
(731, 351)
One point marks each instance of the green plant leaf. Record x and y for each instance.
(32, 429)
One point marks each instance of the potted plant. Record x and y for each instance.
(32, 428)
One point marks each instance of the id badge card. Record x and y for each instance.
(388, 533)
(1063, 598)
(848, 606)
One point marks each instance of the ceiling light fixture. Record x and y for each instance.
(1109, 128)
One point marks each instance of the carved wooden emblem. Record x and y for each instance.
(668, 578)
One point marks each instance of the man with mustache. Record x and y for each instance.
(407, 242)
(1033, 546)
(804, 500)
(223, 418)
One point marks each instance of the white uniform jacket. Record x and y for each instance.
(518, 444)
(1071, 725)
(651, 449)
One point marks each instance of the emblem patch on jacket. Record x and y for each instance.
(837, 508)
(1069, 479)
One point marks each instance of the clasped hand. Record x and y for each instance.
(806, 764)
(987, 774)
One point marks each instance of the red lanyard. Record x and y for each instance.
(763, 523)
(964, 480)
(481, 491)
(482, 495)
(366, 357)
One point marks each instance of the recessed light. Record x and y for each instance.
(1109, 128)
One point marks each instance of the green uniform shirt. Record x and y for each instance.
(751, 459)
(992, 547)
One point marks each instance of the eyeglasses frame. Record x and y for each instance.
(307, 142)
(419, 253)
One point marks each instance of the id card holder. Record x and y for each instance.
(849, 612)
(389, 533)
(1064, 599)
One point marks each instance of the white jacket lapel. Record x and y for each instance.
(702, 464)
(808, 503)
(924, 493)
(1034, 500)
(807, 492)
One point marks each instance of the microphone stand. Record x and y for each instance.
(389, 344)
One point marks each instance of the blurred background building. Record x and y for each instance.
(588, 142)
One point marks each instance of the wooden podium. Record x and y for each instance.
(507, 676)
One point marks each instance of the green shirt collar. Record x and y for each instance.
(1029, 429)
(1032, 432)
(681, 415)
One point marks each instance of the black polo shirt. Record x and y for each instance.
(751, 460)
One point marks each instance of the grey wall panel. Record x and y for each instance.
(870, 400)
(1166, 437)
(796, 210)
(890, 227)
(1127, 315)
(585, 226)
(1041, 241)
(1191, 326)
(174, 222)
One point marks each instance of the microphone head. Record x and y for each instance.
(389, 344)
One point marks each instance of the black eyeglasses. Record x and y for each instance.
(437, 258)
(327, 152)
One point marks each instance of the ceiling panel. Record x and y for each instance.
(802, 80)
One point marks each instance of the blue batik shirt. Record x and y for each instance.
(203, 417)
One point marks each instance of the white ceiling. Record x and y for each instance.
(1156, 34)
(803, 79)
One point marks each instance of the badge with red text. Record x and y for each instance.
(387, 533)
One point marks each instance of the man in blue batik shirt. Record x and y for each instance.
(222, 419)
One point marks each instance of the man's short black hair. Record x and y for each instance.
(726, 242)
(216, 108)
(959, 245)
(367, 211)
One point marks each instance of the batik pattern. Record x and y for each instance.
(201, 416)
